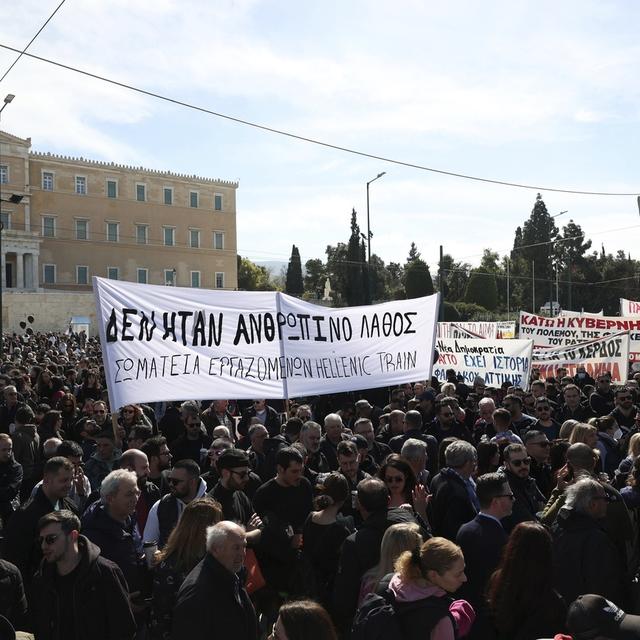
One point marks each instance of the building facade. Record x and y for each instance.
(80, 218)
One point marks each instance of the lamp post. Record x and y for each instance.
(556, 269)
(369, 236)
(8, 99)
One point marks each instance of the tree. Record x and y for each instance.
(354, 290)
(315, 276)
(251, 277)
(337, 270)
(482, 290)
(294, 284)
(395, 274)
(417, 278)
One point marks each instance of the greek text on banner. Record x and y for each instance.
(172, 343)
(608, 354)
(497, 361)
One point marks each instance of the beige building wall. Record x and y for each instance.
(86, 219)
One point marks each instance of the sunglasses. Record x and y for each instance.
(518, 462)
(48, 540)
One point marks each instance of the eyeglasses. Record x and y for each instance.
(518, 462)
(48, 540)
(393, 479)
(240, 474)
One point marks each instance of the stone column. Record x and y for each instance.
(36, 270)
(19, 270)
(3, 270)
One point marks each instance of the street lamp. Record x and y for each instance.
(556, 268)
(8, 99)
(369, 236)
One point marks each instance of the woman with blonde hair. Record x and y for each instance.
(586, 433)
(185, 547)
(430, 574)
(404, 536)
(567, 428)
(624, 468)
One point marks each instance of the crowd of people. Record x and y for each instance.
(431, 510)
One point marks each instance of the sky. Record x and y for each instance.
(541, 93)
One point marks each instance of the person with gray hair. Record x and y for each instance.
(454, 500)
(109, 524)
(212, 602)
(333, 434)
(415, 452)
(413, 428)
(310, 437)
(586, 559)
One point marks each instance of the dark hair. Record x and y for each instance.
(55, 464)
(306, 620)
(68, 448)
(347, 448)
(373, 495)
(67, 520)
(633, 480)
(538, 383)
(42, 408)
(24, 414)
(524, 573)
(413, 419)
(442, 463)
(531, 434)
(190, 466)
(141, 432)
(334, 488)
(558, 454)
(512, 397)
(402, 465)
(287, 455)
(503, 416)
(153, 445)
(488, 487)
(293, 426)
(486, 453)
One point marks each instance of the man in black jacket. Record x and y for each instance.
(10, 481)
(265, 415)
(20, 540)
(212, 603)
(77, 593)
(361, 550)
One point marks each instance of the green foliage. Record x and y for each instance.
(451, 314)
(482, 290)
(315, 276)
(251, 277)
(470, 311)
(417, 278)
(293, 282)
(354, 292)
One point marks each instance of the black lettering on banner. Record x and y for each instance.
(241, 331)
(319, 337)
(111, 330)
(146, 332)
(169, 325)
(184, 315)
(126, 324)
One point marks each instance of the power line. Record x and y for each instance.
(21, 53)
(301, 138)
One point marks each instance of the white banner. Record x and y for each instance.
(580, 314)
(497, 361)
(171, 343)
(563, 332)
(467, 330)
(610, 353)
(629, 307)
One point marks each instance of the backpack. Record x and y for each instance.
(380, 617)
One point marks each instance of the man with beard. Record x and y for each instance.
(538, 448)
(601, 400)
(573, 408)
(333, 434)
(217, 414)
(159, 458)
(310, 436)
(377, 450)
(625, 412)
(185, 485)
(77, 593)
(233, 466)
(137, 461)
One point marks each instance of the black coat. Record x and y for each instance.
(21, 546)
(585, 558)
(13, 603)
(100, 600)
(272, 421)
(528, 500)
(451, 506)
(360, 552)
(212, 604)
(10, 482)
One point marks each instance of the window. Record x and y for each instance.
(141, 192)
(168, 195)
(170, 277)
(193, 199)
(47, 181)
(143, 276)
(82, 229)
(113, 231)
(195, 279)
(219, 280)
(169, 236)
(81, 185)
(5, 219)
(142, 234)
(82, 274)
(217, 202)
(113, 273)
(194, 238)
(4, 174)
(48, 226)
(112, 189)
(49, 273)
(218, 240)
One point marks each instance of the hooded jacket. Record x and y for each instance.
(100, 601)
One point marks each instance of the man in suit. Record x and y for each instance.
(481, 541)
